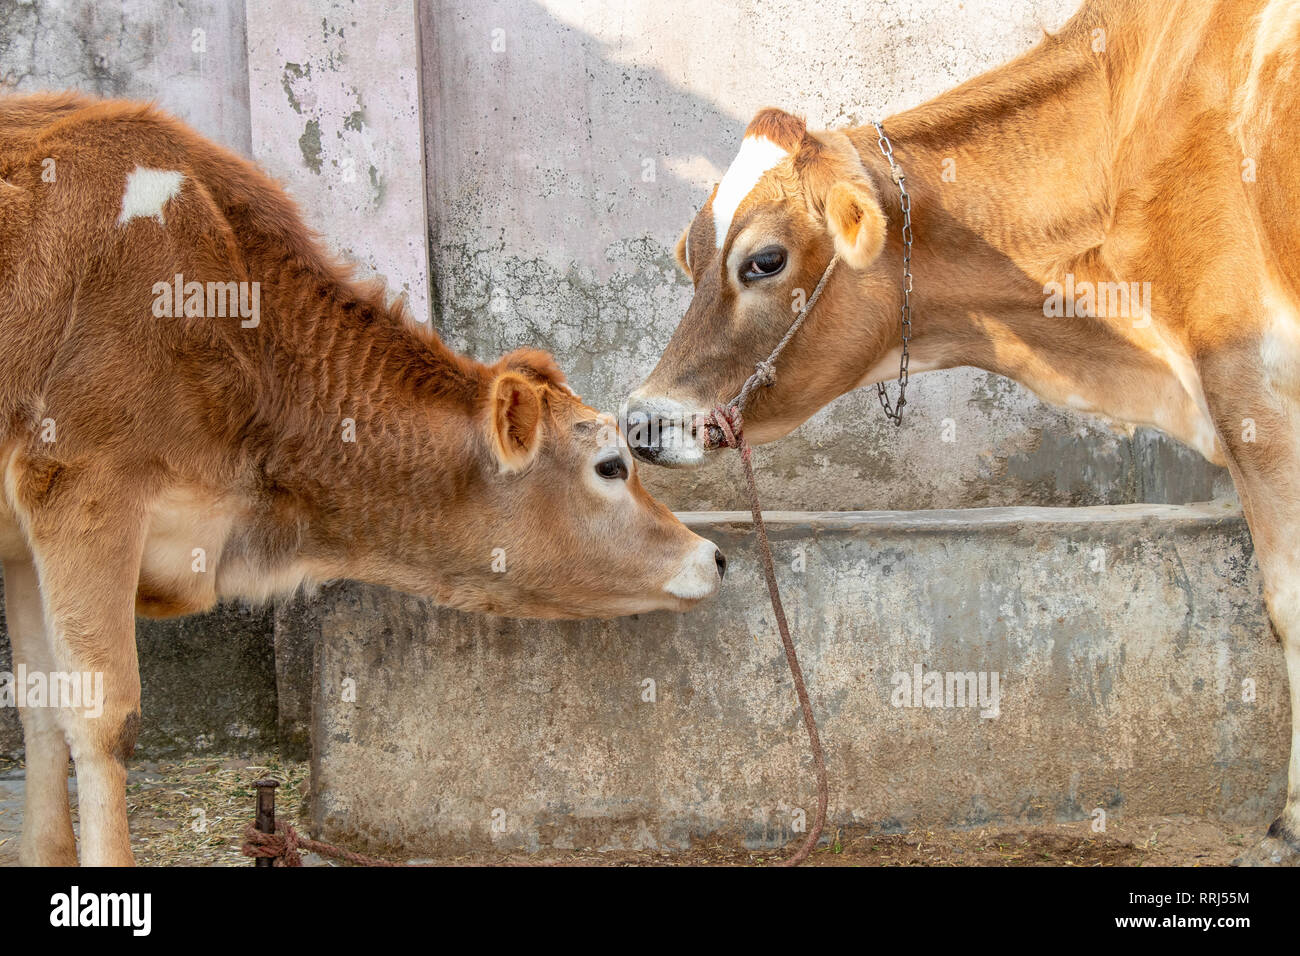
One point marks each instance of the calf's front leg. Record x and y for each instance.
(87, 558)
(47, 838)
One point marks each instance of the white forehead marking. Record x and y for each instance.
(757, 155)
(147, 191)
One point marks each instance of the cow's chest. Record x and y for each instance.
(187, 532)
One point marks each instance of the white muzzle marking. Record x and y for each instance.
(671, 431)
(698, 575)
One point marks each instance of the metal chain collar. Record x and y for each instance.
(895, 413)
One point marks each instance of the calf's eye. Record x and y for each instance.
(762, 264)
(612, 469)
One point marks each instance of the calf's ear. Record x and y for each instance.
(856, 222)
(681, 252)
(515, 420)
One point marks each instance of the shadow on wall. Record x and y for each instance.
(567, 146)
(208, 685)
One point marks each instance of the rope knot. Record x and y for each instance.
(765, 374)
(281, 845)
(285, 846)
(723, 427)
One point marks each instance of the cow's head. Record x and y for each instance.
(572, 532)
(789, 201)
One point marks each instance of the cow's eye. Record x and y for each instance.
(762, 264)
(612, 469)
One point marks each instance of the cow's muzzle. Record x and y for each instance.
(664, 431)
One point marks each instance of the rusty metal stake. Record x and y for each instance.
(265, 813)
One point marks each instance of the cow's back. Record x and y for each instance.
(82, 245)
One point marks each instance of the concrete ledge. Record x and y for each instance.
(1121, 637)
(973, 519)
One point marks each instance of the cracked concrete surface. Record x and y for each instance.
(189, 57)
(336, 90)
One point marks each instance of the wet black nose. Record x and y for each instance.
(721, 560)
(640, 435)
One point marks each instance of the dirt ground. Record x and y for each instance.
(193, 812)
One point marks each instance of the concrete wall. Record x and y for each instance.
(189, 57)
(337, 90)
(1121, 636)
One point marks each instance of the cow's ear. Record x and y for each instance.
(856, 222)
(682, 253)
(515, 420)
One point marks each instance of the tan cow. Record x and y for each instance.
(1144, 143)
(196, 402)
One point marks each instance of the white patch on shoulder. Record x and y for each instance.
(757, 155)
(147, 191)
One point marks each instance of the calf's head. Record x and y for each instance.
(554, 521)
(755, 252)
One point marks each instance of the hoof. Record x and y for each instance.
(1278, 848)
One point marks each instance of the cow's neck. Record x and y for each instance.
(1011, 184)
(368, 441)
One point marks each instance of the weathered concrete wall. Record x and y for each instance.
(337, 120)
(568, 144)
(1121, 637)
(190, 58)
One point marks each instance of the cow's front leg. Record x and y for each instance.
(86, 536)
(47, 838)
(94, 637)
(1281, 845)
(1254, 423)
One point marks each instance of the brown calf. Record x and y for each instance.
(197, 403)
(1109, 219)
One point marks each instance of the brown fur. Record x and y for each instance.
(780, 127)
(196, 459)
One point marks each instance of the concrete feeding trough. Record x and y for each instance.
(1134, 666)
